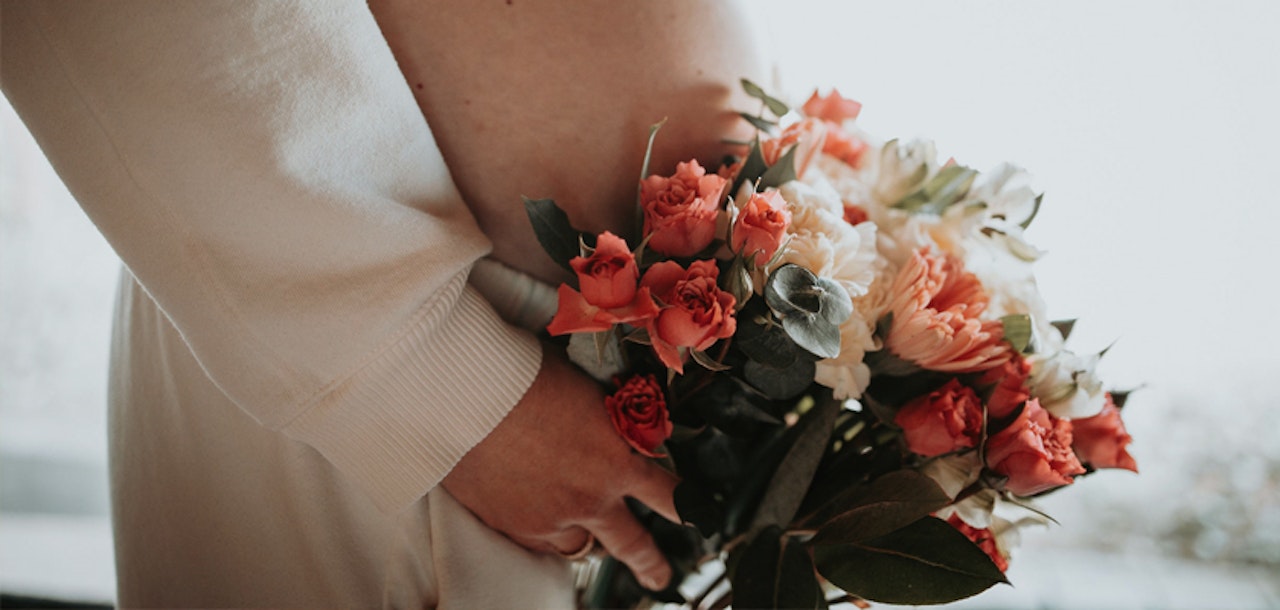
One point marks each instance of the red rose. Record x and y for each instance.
(761, 225)
(942, 421)
(1010, 381)
(834, 107)
(983, 538)
(1034, 452)
(1100, 440)
(680, 211)
(608, 279)
(639, 413)
(695, 312)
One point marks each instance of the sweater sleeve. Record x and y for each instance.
(263, 170)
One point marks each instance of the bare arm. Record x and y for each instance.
(554, 99)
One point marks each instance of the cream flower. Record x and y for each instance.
(1067, 384)
(903, 169)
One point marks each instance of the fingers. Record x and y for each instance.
(624, 538)
(655, 487)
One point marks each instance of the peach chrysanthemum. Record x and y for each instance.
(936, 306)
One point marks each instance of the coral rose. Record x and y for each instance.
(831, 107)
(761, 225)
(1010, 386)
(639, 414)
(983, 538)
(1100, 441)
(808, 136)
(936, 306)
(1034, 452)
(944, 420)
(695, 312)
(680, 211)
(610, 295)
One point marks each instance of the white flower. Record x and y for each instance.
(903, 169)
(822, 242)
(953, 473)
(1067, 384)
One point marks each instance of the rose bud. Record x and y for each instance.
(639, 414)
(761, 225)
(942, 421)
(680, 212)
(1034, 452)
(610, 295)
(696, 313)
(1101, 440)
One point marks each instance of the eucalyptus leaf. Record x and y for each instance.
(791, 480)
(552, 228)
(782, 172)
(775, 571)
(1017, 331)
(949, 186)
(814, 334)
(776, 106)
(927, 562)
(874, 509)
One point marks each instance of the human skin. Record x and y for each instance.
(553, 98)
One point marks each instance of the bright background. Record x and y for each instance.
(1151, 126)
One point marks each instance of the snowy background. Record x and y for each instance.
(1151, 126)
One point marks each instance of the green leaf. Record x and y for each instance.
(1017, 331)
(752, 167)
(1036, 210)
(764, 125)
(791, 480)
(950, 185)
(765, 343)
(782, 172)
(884, 505)
(552, 228)
(775, 106)
(697, 507)
(644, 173)
(774, 571)
(927, 562)
(738, 282)
(707, 361)
(780, 383)
(1065, 327)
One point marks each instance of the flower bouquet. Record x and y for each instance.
(839, 347)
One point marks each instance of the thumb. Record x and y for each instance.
(624, 538)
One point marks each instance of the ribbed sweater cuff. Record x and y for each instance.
(399, 424)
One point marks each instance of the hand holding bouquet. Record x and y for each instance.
(839, 346)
